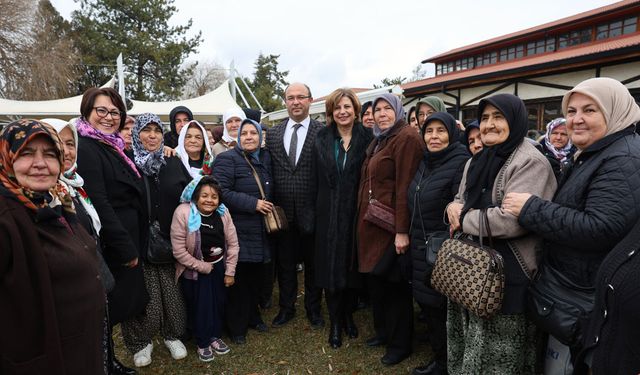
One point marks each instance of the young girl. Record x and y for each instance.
(205, 246)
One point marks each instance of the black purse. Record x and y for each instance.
(159, 250)
(557, 305)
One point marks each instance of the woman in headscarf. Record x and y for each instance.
(366, 113)
(231, 120)
(412, 119)
(506, 343)
(50, 291)
(557, 146)
(391, 162)
(164, 180)
(598, 202)
(472, 137)
(205, 246)
(428, 106)
(234, 170)
(435, 184)
(116, 189)
(194, 150)
(340, 150)
(178, 118)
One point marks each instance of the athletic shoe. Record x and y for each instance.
(177, 349)
(219, 346)
(205, 354)
(143, 357)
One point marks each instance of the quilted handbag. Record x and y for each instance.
(471, 274)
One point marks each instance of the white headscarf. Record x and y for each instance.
(182, 152)
(228, 114)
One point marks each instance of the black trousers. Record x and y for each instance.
(395, 301)
(243, 297)
(437, 323)
(341, 304)
(377, 309)
(294, 247)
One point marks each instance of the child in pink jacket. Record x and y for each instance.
(205, 246)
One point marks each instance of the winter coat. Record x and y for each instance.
(438, 179)
(293, 188)
(388, 172)
(118, 196)
(51, 297)
(336, 205)
(186, 246)
(240, 193)
(613, 331)
(596, 205)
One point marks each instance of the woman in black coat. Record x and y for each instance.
(339, 150)
(599, 200)
(435, 184)
(117, 192)
(241, 194)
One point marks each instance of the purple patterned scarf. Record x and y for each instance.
(112, 140)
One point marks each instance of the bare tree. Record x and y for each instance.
(15, 38)
(207, 76)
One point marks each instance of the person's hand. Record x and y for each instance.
(513, 202)
(132, 263)
(460, 125)
(168, 152)
(454, 210)
(401, 242)
(264, 207)
(229, 280)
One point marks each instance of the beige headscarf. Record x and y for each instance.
(619, 108)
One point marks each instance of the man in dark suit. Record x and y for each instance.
(291, 146)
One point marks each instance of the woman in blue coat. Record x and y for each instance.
(234, 170)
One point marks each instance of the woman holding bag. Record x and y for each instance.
(391, 162)
(504, 343)
(239, 171)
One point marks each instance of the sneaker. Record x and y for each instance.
(143, 357)
(177, 349)
(205, 354)
(219, 346)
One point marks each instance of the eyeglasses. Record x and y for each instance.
(298, 98)
(103, 112)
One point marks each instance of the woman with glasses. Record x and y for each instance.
(117, 192)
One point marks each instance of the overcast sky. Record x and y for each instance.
(335, 43)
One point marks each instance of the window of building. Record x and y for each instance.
(438, 69)
(630, 25)
(503, 54)
(478, 61)
(490, 58)
(617, 28)
(574, 38)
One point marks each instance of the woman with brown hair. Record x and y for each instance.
(340, 149)
(391, 162)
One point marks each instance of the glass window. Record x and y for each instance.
(551, 44)
(519, 51)
(585, 36)
(494, 57)
(478, 61)
(630, 25)
(438, 69)
(531, 48)
(503, 54)
(602, 32)
(563, 41)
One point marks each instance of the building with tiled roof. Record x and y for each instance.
(538, 64)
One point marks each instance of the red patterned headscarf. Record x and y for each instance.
(13, 138)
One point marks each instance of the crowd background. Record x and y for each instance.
(558, 203)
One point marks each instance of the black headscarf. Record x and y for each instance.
(365, 106)
(171, 138)
(486, 164)
(467, 130)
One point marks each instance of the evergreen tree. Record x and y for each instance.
(153, 51)
(268, 82)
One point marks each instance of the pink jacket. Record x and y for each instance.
(184, 246)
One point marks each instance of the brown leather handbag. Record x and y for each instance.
(471, 274)
(380, 214)
(276, 220)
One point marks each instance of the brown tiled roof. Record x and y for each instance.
(592, 48)
(563, 21)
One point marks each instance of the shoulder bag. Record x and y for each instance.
(380, 214)
(276, 220)
(557, 305)
(471, 274)
(159, 250)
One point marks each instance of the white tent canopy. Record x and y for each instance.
(59, 108)
(208, 107)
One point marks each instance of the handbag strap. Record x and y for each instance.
(146, 187)
(484, 222)
(255, 175)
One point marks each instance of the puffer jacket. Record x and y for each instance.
(240, 193)
(438, 179)
(596, 205)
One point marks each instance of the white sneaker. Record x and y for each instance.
(143, 357)
(177, 349)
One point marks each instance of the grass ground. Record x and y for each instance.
(292, 349)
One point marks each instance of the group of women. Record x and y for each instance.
(81, 212)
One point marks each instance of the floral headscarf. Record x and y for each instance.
(195, 221)
(148, 162)
(560, 154)
(71, 176)
(207, 155)
(13, 138)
